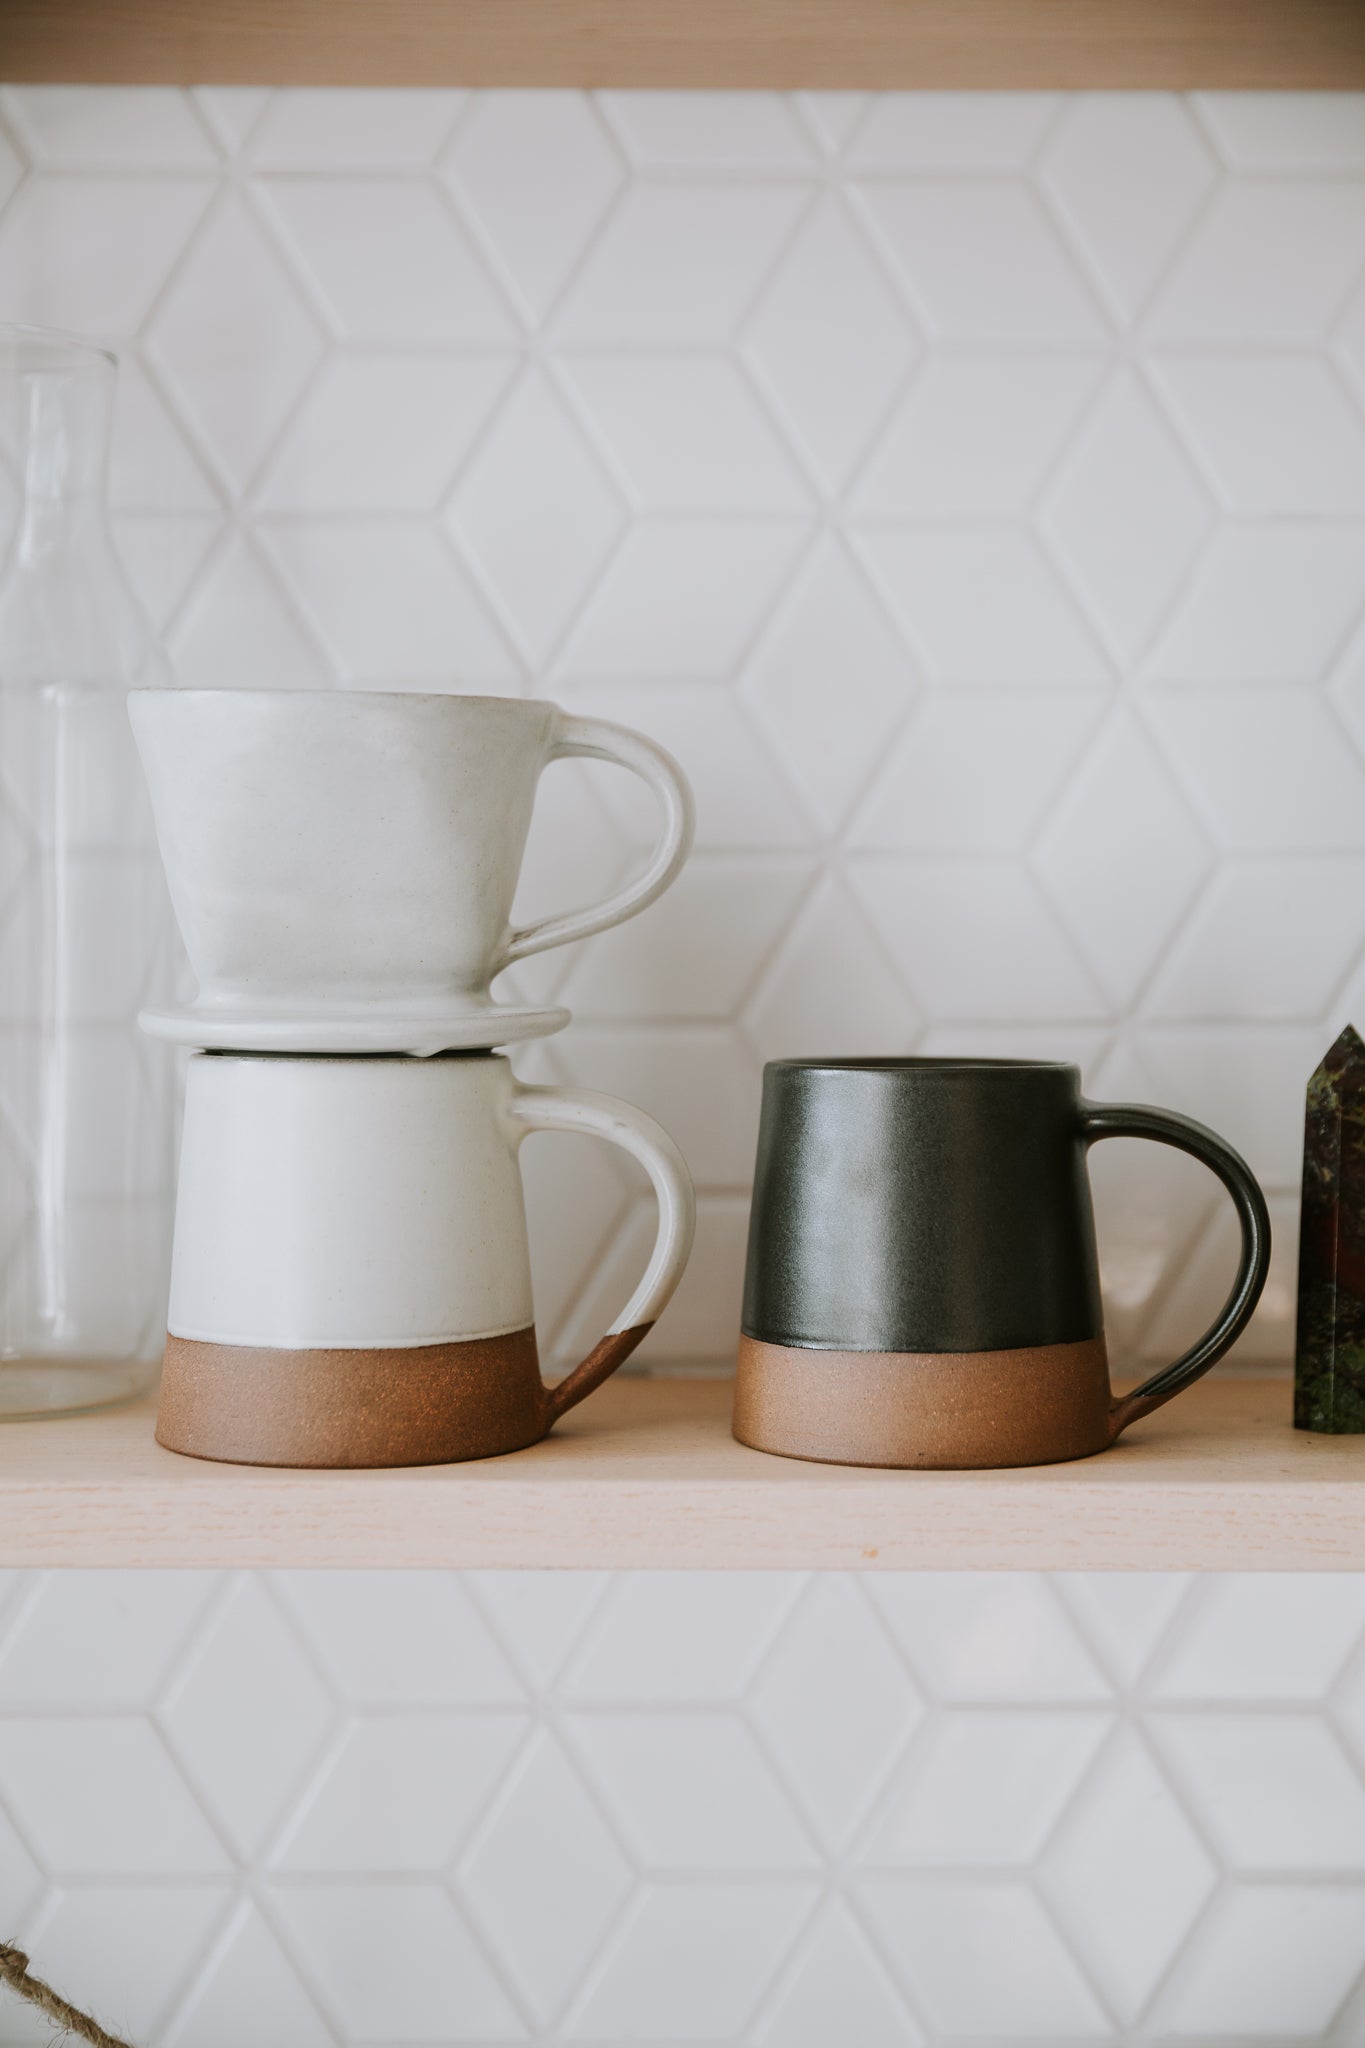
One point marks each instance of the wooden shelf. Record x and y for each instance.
(646, 1475)
(1176, 44)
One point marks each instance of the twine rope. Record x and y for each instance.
(14, 1972)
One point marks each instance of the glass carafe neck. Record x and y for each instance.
(65, 412)
(67, 615)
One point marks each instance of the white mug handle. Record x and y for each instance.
(598, 739)
(575, 1109)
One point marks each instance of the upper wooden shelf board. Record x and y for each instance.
(1173, 44)
(647, 1476)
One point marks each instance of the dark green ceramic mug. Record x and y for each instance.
(922, 1287)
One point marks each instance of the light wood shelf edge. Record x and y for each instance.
(646, 1475)
(1173, 44)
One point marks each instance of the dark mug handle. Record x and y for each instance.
(1136, 1120)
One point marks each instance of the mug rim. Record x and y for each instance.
(895, 1063)
(417, 1061)
(341, 694)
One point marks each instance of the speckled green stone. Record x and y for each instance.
(1329, 1355)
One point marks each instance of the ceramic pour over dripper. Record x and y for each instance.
(343, 863)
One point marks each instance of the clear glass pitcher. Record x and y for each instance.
(85, 1102)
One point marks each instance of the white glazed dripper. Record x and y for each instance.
(356, 853)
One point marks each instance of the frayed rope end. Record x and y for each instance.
(14, 1972)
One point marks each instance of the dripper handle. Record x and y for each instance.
(597, 739)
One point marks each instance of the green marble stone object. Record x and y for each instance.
(1329, 1355)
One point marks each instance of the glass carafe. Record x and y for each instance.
(85, 1101)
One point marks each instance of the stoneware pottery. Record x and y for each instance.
(344, 862)
(350, 1282)
(922, 1287)
(366, 1028)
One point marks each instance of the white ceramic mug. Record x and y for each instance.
(336, 850)
(350, 1282)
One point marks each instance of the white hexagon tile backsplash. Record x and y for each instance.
(970, 488)
(311, 1810)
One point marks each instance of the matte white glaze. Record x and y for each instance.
(378, 1202)
(463, 1028)
(333, 849)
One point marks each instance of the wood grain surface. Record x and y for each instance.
(646, 1475)
(789, 43)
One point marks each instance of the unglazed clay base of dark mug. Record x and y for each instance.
(933, 1411)
(428, 1404)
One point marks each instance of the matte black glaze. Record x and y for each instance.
(921, 1206)
(943, 1205)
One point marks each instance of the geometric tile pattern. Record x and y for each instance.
(970, 488)
(777, 1809)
